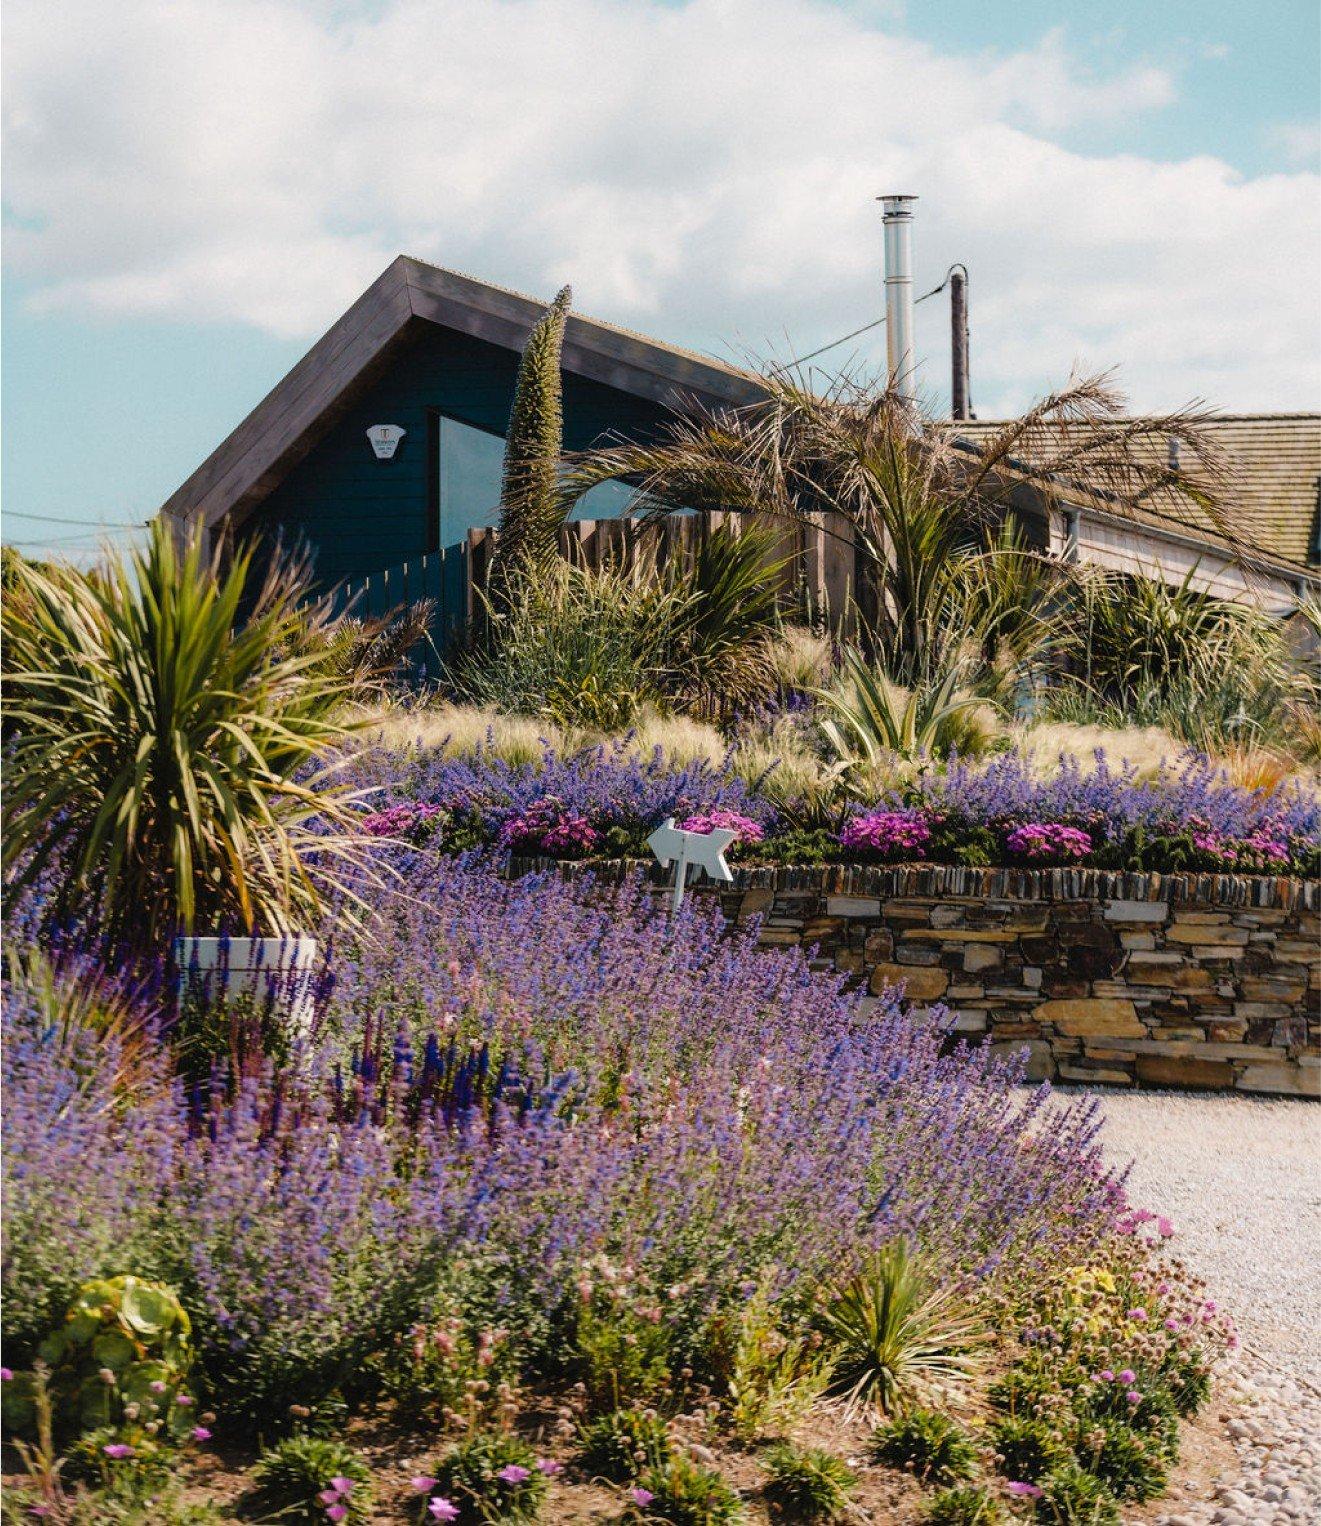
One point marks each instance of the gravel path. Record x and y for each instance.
(1241, 1178)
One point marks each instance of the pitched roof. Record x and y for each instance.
(1274, 462)
(351, 354)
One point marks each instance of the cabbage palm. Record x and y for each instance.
(162, 735)
(913, 499)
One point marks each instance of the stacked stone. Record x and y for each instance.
(1210, 982)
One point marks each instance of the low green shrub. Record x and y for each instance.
(930, 1444)
(623, 1444)
(1188, 1380)
(1027, 1447)
(685, 1494)
(807, 1483)
(963, 1505)
(302, 1478)
(496, 1475)
(1071, 1496)
(1131, 1464)
(622, 1348)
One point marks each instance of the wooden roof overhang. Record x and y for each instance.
(356, 350)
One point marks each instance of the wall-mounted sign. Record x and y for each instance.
(385, 439)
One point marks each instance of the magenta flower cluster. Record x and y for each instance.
(891, 835)
(401, 820)
(548, 826)
(746, 829)
(1048, 842)
(1265, 849)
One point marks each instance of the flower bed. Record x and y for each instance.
(542, 1143)
(605, 802)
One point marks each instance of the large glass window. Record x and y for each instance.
(470, 463)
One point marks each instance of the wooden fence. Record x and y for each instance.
(819, 578)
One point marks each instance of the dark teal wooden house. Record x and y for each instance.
(382, 447)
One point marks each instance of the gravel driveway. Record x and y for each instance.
(1241, 1179)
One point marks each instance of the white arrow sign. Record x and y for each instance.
(704, 849)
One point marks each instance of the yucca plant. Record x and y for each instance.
(162, 737)
(867, 715)
(897, 1336)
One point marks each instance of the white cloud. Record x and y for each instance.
(703, 171)
(1298, 142)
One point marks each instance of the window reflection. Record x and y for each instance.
(471, 464)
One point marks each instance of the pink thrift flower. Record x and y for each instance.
(549, 1466)
(1106, 1375)
(1137, 1314)
(157, 1387)
(6, 1373)
(184, 1399)
(1133, 1396)
(200, 1433)
(441, 1509)
(513, 1474)
(642, 1497)
(1162, 1287)
(1128, 1377)
(330, 1497)
(118, 1449)
(422, 1484)
(342, 1484)
(336, 1512)
(1027, 1491)
(1165, 1227)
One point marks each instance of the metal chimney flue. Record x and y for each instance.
(899, 352)
(960, 402)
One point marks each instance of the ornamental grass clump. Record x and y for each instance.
(491, 1476)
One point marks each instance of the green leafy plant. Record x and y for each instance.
(301, 1477)
(623, 1444)
(928, 1443)
(808, 1483)
(896, 1335)
(683, 1493)
(1129, 1463)
(868, 715)
(623, 1354)
(1071, 1496)
(444, 1366)
(161, 741)
(776, 1377)
(493, 1475)
(118, 1362)
(963, 1505)
(1028, 1447)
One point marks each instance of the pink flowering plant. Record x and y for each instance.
(490, 1475)
(1047, 843)
(891, 836)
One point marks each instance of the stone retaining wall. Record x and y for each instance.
(1209, 982)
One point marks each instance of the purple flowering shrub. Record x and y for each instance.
(511, 1082)
(82, 1173)
(603, 800)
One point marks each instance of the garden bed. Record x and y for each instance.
(1122, 979)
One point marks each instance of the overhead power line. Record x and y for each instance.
(59, 519)
(866, 328)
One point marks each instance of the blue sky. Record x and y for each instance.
(195, 190)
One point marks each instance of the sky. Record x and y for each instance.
(195, 189)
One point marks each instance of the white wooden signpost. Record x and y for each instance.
(705, 850)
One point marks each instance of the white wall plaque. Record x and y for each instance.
(385, 439)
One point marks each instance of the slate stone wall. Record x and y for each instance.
(1203, 982)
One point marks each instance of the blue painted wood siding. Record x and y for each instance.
(359, 515)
